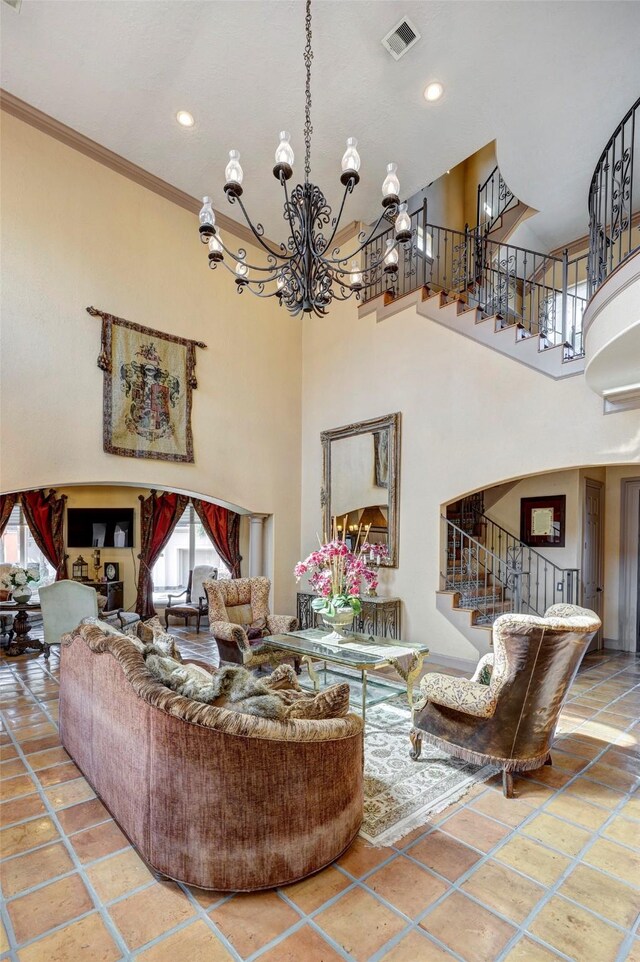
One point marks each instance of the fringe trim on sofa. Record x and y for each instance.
(479, 758)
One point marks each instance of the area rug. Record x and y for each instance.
(401, 794)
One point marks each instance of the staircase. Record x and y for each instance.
(487, 572)
(519, 302)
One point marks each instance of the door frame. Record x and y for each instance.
(599, 638)
(629, 564)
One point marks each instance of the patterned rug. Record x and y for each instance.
(401, 794)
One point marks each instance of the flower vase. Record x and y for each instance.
(340, 623)
(21, 594)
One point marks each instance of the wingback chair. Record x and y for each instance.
(509, 722)
(239, 618)
(195, 603)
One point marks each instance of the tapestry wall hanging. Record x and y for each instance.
(148, 382)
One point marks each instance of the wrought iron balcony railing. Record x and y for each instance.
(614, 200)
(494, 199)
(542, 294)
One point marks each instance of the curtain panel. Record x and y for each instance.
(7, 504)
(223, 527)
(44, 515)
(159, 514)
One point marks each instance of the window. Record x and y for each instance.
(424, 242)
(188, 546)
(18, 547)
(577, 297)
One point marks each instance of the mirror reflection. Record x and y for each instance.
(361, 484)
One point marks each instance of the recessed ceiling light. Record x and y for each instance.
(433, 91)
(185, 119)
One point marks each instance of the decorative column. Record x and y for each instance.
(256, 533)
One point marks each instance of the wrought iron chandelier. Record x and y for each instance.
(305, 273)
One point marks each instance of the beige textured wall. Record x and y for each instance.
(75, 233)
(471, 418)
(506, 512)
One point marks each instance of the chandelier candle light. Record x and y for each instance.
(305, 273)
(337, 575)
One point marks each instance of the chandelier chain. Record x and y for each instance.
(308, 129)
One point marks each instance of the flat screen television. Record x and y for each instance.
(100, 527)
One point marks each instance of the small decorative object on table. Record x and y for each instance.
(18, 580)
(337, 575)
(80, 569)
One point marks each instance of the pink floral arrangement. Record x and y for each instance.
(337, 574)
(377, 552)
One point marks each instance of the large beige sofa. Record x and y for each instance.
(208, 796)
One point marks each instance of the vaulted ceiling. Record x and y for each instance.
(548, 80)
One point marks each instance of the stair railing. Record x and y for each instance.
(540, 293)
(485, 581)
(493, 200)
(542, 583)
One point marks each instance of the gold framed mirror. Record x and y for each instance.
(361, 482)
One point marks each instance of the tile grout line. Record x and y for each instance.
(104, 915)
(397, 851)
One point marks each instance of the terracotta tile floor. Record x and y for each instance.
(553, 874)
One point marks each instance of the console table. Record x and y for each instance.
(113, 591)
(380, 616)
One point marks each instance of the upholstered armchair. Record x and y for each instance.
(195, 600)
(239, 618)
(506, 714)
(65, 603)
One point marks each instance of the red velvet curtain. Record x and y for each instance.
(159, 514)
(223, 527)
(7, 503)
(45, 516)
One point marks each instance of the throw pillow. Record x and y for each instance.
(333, 702)
(151, 632)
(237, 689)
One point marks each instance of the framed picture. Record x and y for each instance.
(542, 521)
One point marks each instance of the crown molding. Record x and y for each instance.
(84, 145)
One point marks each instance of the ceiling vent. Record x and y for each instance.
(16, 4)
(401, 38)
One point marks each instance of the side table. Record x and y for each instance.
(22, 641)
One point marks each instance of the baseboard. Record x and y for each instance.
(450, 661)
(614, 644)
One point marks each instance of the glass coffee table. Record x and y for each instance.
(359, 652)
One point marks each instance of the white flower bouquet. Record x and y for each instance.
(18, 579)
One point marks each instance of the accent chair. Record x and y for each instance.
(239, 618)
(195, 603)
(64, 604)
(509, 722)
